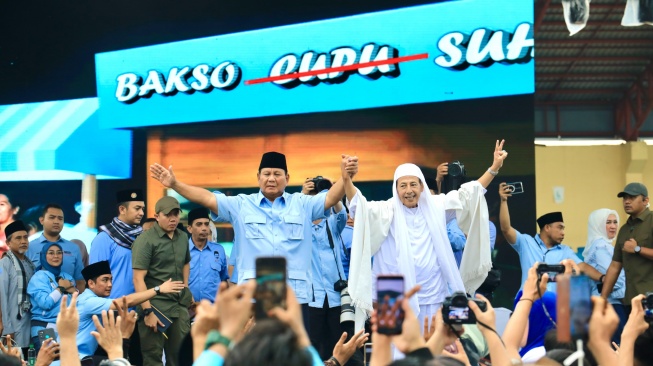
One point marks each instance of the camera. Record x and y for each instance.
(347, 311)
(456, 311)
(551, 269)
(25, 306)
(320, 184)
(455, 177)
(647, 304)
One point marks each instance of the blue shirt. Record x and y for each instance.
(233, 261)
(346, 235)
(493, 235)
(45, 298)
(599, 256)
(89, 304)
(103, 248)
(280, 228)
(327, 262)
(457, 239)
(207, 268)
(532, 249)
(72, 257)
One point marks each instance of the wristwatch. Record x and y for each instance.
(147, 312)
(214, 337)
(638, 249)
(157, 290)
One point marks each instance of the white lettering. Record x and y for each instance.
(154, 82)
(476, 53)
(177, 80)
(286, 65)
(225, 75)
(312, 62)
(450, 45)
(344, 56)
(127, 83)
(200, 73)
(521, 42)
(372, 53)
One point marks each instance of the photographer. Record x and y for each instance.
(328, 274)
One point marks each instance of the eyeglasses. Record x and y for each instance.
(59, 252)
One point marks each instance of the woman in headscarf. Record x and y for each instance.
(46, 288)
(602, 228)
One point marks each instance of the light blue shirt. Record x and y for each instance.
(45, 298)
(599, 256)
(327, 262)
(72, 256)
(103, 248)
(89, 304)
(346, 235)
(493, 235)
(279, 228)
(207, 268)
(233, 261)
(210, 358)
(457, 239)
(532, 249)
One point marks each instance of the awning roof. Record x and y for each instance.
(60, 140)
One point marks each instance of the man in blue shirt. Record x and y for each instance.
(544, 247)
(347, 235)
(99, 283)
(328, 273)
(271, 222)
(114, 242)
(52, 220)
(208, 261)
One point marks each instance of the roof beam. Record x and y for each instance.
(616, 41)
(555, 75)
(545, 103)
(579, 91)
(636, 105)
(592, 58)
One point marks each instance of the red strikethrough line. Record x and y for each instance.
(296, 75)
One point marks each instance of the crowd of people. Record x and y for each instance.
(166, 293)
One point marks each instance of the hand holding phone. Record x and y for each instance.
(552, 269)
(270, 285)
(390, 315)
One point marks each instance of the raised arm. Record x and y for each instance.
(504, 215)
(499, 156)
(194, 194)
(348, 168)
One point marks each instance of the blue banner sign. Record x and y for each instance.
(434, 53)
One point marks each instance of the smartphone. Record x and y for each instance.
(367, 356)
(45, 334)
(516, 187)
(270, 285)
(389, 293)
(573, 307)
(552, 269)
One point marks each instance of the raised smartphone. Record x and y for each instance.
(389, 293)
(270, 285)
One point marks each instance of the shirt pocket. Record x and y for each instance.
(215, 272)
(253, 226)
(294, 226)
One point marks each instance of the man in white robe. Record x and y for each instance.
(407, 235)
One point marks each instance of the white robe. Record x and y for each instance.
(377, 226)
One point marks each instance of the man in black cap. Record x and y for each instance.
(633, 250)
(208, 261)
(17, 270)
(544, 247)
(99, 282)
(271, 222)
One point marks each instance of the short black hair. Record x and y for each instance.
(149, 219)
(269, 343)
(49, 206)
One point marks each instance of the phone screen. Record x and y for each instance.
(580, 305)
(390, 315)
(45, 334)
(368, 354)
(270, 285)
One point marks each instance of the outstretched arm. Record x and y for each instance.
(194, 194)
(348, 168)
(499, 156)
(504, 215)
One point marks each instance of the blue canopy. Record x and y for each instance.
(60, 140)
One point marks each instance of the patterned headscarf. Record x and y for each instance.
(44, 262)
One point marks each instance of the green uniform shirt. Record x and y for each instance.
(639, 270)
(163, 258)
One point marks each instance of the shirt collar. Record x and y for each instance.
(539, 242)
(209, 244)
(160, 231)
(44, 239)
(641, 217)
(263, 201)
